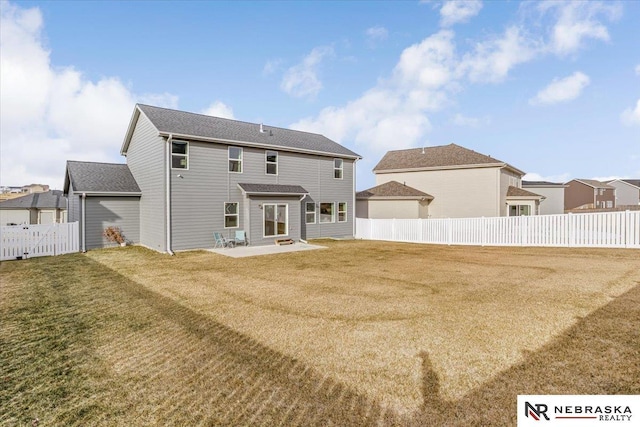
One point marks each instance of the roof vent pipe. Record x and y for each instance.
(261, 128)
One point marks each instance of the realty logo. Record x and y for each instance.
(536, 411)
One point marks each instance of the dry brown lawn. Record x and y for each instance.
(359, 333)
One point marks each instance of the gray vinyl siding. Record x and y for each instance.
(102, 212)
(146, 160)
(198, 197)
(73, 201)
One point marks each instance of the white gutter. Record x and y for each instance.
(84, 224)
(168, 194)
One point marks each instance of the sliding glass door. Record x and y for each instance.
(275, 219)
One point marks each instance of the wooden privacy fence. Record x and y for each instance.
(593, 230)
(27, 241)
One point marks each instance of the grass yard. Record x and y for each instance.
(361, 333)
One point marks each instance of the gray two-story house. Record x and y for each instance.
(197, 174)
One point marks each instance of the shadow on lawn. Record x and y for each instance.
(598, 355)
(231, 379)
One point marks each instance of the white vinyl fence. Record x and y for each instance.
(27, 241)
(604, 230)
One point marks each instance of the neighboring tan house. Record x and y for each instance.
(37, 208)
(462, 182)
(553, 203)
(392, 200)
(13, 192)
(589, 194)
(200, 174)
(627, 191)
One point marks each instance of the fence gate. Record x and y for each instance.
(27, 241)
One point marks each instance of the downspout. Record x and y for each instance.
(353, 206)
(84, 226)
(300, 201)
(168, 194)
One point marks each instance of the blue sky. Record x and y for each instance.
(552, 88)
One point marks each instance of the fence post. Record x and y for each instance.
(570, 230)
(449, 231)
(627, 229)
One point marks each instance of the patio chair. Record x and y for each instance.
(241, 238)
(221, 241)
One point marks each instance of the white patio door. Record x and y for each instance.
(276, 219)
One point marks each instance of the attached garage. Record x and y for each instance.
(102, 195)
(392, 200)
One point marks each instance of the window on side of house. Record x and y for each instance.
(342, 212)
(327, 213)
(231, 215)
(337, 168)
(609, 203)
(271, 158)
(235, 159)
(310, 213)
(179, 154)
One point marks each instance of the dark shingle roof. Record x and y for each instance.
(519, 192)
(392, 189)
(635, 182)
(53, 199)
(594, 183)
(541, 184)
(100, 178)
(203, 126)
(433, 157)
(293, 190)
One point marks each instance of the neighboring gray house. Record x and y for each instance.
(627, 191)
(553, 203)
(200, 174)
(36, 208)
(102, 195)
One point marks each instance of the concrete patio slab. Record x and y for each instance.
(246, 251)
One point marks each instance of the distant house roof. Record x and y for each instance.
(91, 177)
(542, 184)
(392, 190)
(53, 199)
(635, 182)
(519, 192)
(440, 157)
(266, 189)
(186, 125)
(593, 183)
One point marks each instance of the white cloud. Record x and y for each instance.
(562, 90)
(577, 21)
(608, 178)
(219, 109)
(302, 80)
(271, 66)
(631, 116)
(464, 121)
(50, 115)
(532, 176)
(458, 11)
(376, 34)
(491, 60)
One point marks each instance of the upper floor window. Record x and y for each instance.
(271, 162)
(337, 168)
(235, 159)
(179, 154)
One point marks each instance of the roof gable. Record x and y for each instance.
(439, 157)
(391, 190)
(593, 183)
(187, 125)
(92, 177)
(53, 199)
(519, 192)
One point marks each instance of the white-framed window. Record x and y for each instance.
(276, 218)
(235, 159)
(609, 203)
(327, 212)
(271, 162)
(337, 168)
(342, 212)
(179, 154)
(310, 213)
(231, 216)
